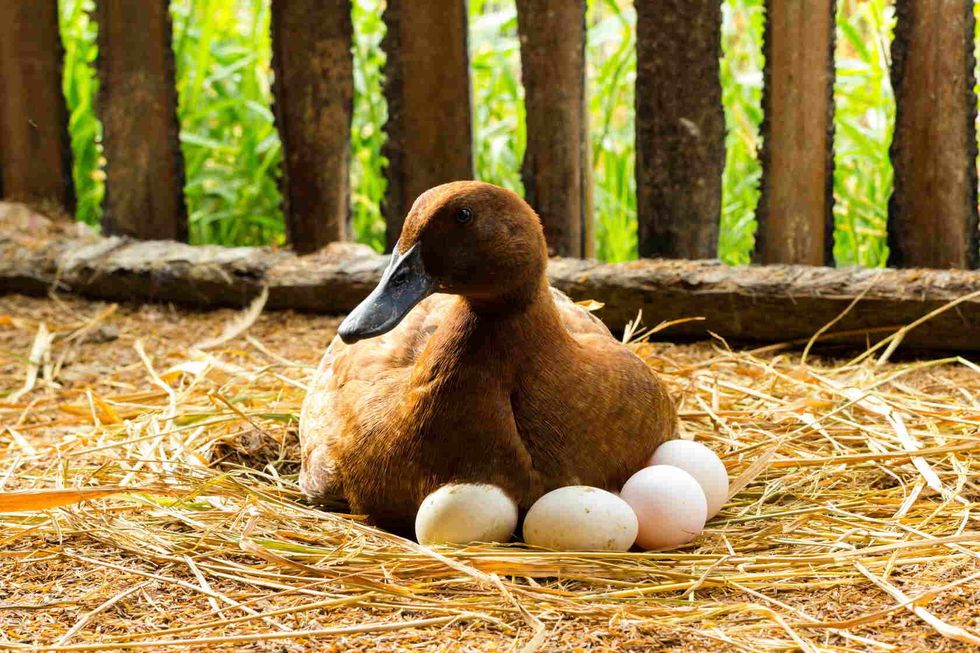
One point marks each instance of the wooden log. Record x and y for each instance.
(428, 91)
(680, 127)
(314, 90)
(775, 303)
(556, 160)
(796, 219)
(933, 210)
(35, 153)
(138, 108)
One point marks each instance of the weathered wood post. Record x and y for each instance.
(138, 108)
(556, 168)
(314, 95)
(680, 127)
(796, 220)
(35, 153)
(427, 85)
(933, 209)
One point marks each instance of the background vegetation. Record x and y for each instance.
(232, 151)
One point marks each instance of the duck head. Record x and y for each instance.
(466, 238)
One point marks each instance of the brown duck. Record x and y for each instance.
(464, 365)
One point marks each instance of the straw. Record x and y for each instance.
(149, 501)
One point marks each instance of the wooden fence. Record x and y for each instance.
(679, 122)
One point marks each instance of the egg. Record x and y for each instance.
(700, 462)
(670, 506)
(580, 518)
(461, 513)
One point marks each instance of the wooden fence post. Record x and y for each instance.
(314, 89)
(427, 86)
(555, 171)
(138, 108)
(35, 154)
(933, 209)
(796, 220)
(680, 127)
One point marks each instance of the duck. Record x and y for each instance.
(464, 365)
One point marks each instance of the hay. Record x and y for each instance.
(851, 526)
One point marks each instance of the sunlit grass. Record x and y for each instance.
(80, 86)
(231, 149)
(499, 136)
(611, 62)
(232, 152)
(865, 109)
(741, 85)
(367, 125)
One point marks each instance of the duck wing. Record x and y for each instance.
(577, 319)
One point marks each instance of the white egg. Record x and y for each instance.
(669, 504)
(700, 462)
(580, 518)
(461, 513)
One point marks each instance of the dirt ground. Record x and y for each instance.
(838, 539)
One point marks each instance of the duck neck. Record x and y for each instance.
(485, 345)
(510, 328)
(522, 299)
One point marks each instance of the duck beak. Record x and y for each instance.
(403, 285)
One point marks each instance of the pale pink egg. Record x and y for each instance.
(700, 462)
(670, 506)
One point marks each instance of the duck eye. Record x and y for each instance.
(464, 216)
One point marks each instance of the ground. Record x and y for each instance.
(832, 530)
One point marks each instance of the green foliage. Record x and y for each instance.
(499, 135)
(231, 149)
(80, 87)
(741, 86)
(611, 60)
(865, 116)
(233, 154)
(367, 125)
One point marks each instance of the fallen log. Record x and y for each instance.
(773, 303)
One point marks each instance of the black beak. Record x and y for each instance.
(403, 285)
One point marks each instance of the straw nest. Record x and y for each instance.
(149, 501)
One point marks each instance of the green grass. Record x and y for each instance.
(611, 59)
(80, 87)
(367, 125)
(865, 109)
(231, 149)
(233, 154)
(741, 87)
